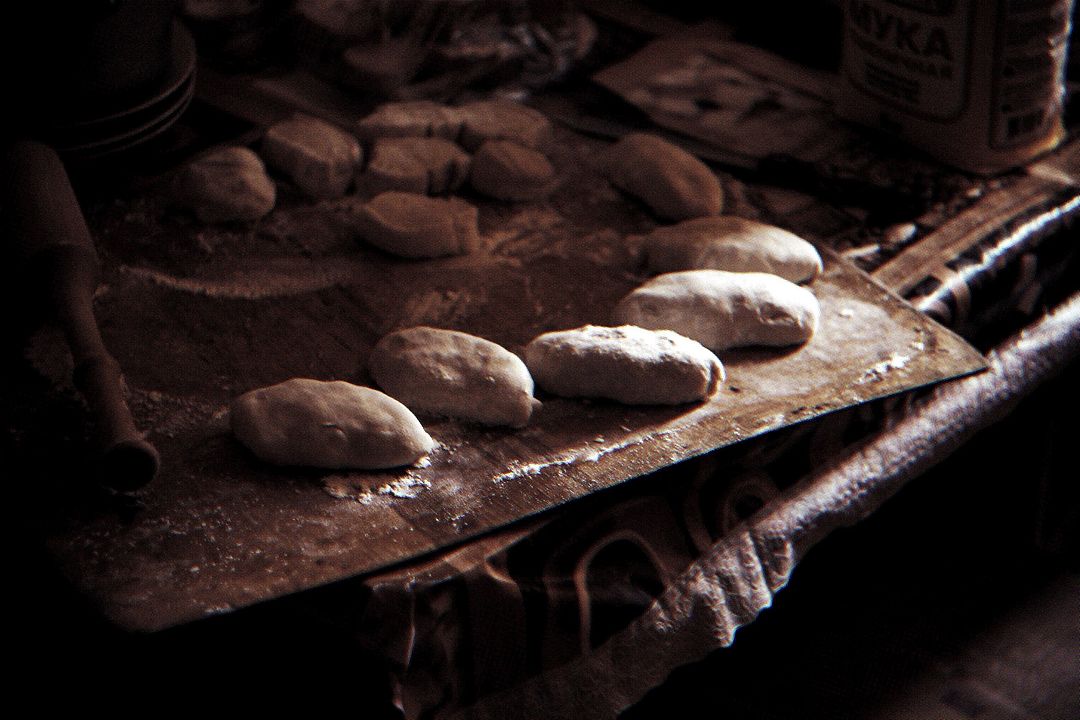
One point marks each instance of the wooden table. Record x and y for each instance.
(711, 538)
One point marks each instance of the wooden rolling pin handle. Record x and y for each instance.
(56, 246)
(128, 461)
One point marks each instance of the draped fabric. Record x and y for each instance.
(578, 613)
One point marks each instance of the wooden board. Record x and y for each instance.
(198, 315)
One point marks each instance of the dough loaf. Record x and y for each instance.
(505, 170)
(723, 309)
(318, 157)
(502, 120)
(416, 226)
(672, 182)
(627, 364)
(410, 118)
(333, 425)
(226, 185)
(470, 124)
(725, 242)
(454, 374)
(424, 165)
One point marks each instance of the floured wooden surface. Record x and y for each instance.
(196, 316)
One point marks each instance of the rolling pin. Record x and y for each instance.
(45, 222)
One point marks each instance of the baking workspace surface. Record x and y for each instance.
(198, 315)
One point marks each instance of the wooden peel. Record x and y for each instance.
(44, 219)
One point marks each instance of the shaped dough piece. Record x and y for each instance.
(333, 425)
(225, 185)
(416, 226)
(672, 182)
(627, 364)
(724, 309)
(425, 165)
(725, 242)
(454, 374)
(410, 118)
(502, 120)
(505, 170)
(318, 157)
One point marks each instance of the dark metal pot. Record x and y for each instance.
(70, 60)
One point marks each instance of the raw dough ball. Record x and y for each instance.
(411, 118)
(454, 374)
(724, 309)
(227, 184)
(502, 120)
(505, 170)
(424, 165)
(627, 364)
(416, 226)
(725, 242)
(672, 182)
(332, 425)
(318, 157)
(470, 124)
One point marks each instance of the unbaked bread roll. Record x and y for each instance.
(726, 242)
(454, 374)
(672, 182)
(627, 364)
(502, 120)
(320, 158)
(334, 425)
(723, 309)
(226, 185)
(416, 226)
(470, 124)
(505, 170)
(425, 165)
(410, 118)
